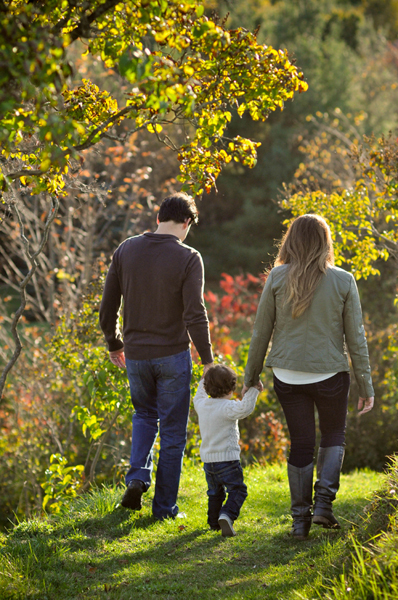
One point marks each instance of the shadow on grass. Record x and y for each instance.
(79, 559)
(199, 561)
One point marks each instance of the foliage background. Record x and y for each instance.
(62, 397)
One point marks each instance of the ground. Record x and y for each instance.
(97, 549)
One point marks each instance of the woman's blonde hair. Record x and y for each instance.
(307, 248)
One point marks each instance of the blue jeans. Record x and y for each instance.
(221, 476)
(160, 393)
(330, 397)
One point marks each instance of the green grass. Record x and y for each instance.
(98, 550)
(369, 554)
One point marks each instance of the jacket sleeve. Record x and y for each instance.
(240, 410)
(356, 341)
(195, 314)
(109, 309)
(263, 328)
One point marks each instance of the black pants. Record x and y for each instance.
(330, 397)
(221, 476)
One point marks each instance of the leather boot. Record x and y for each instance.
(300, 483)
(326, 486)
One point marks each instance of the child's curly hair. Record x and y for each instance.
(219, 381)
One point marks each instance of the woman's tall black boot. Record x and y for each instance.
(329, 465)
(300, 483)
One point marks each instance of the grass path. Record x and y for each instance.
(98, 550)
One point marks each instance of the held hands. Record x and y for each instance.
(259, 386)
(117, 358)
(366, 404)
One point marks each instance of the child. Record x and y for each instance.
(220, 451)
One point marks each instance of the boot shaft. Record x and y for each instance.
(329, 463)
(300, 484)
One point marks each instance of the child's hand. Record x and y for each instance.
(259, 386)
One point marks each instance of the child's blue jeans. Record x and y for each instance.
(222, 477)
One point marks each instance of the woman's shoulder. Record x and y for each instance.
(279, 271)
(338, 273)
(276, 276)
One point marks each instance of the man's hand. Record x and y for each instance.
(117, 358)
(366, 404)
(207, 367)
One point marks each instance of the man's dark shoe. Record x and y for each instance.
(132, 496)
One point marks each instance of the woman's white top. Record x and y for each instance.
(299, 377)
(218, 423)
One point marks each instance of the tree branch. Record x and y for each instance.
(86, 144)
(100, 128)
(385, 241)
(32, 259)
(25, 172)
(83, 28)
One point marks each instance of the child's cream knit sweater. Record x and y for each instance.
(218, 423)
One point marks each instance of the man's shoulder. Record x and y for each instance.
(188, 256)
(131, 241)
(190, 250)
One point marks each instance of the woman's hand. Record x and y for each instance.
(366, 404)
(259, 386)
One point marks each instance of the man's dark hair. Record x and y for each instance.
(178, 208)
(219, 381)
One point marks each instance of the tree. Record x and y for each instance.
(349, 64)
(181, 66)
(362, 213)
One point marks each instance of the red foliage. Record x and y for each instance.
(263, 436)
(234, 309)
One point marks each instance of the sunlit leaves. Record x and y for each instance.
(62, 482)
(182, 66)
(362, 213)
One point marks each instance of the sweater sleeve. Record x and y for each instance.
(356, 341)
(243, 408)
(200, 395)
(109, 309)
(195, 314)
(263, 328)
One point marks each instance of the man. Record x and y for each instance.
(161, 282)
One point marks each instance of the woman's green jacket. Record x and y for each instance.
(315, 341)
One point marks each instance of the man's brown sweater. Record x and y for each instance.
(161, 282)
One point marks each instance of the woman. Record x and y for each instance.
(312, 308)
